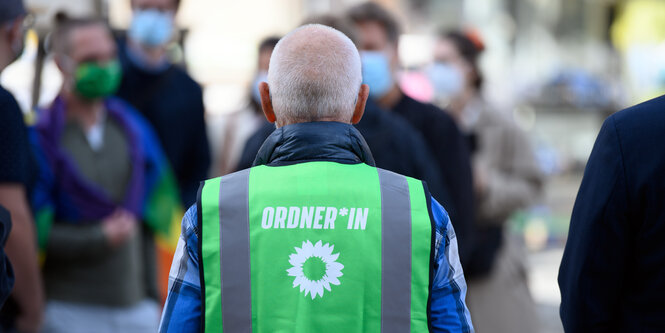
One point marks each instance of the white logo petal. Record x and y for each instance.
(333, 269)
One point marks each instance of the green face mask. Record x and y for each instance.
(97, 81)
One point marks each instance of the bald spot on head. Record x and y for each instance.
(314, 75)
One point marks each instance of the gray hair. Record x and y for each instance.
(314, 75)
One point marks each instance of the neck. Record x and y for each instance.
(85, 112)
(279, 123)
(459, 103)
(390, 99)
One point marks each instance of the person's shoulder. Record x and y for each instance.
(646, 115)
(429, 112)
(5, 96)
(120, 105)
(7, 101)
(182, 77)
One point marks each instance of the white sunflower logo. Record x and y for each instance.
(314, 268)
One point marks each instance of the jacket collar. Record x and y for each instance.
(314, 141)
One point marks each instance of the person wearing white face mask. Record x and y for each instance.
(378, 34)
(506, 178)
(164, 93)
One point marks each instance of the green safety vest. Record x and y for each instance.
(315, 247)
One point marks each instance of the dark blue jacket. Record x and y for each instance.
(612, 275)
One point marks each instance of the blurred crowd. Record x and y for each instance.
(97, 185)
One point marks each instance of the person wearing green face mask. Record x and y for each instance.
(97, 81)
(100, 165)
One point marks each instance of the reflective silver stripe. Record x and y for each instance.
(234, 252)
(395, 253)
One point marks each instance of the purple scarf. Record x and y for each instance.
(81, 200)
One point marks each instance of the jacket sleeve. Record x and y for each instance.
(516, 183)
(591, 275)
(182, 310)
(448, 309)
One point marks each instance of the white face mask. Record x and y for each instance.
(446, 80)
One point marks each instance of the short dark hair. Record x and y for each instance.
(339, 23)
(268, 43)
(372, 12)
(175, 2)
(64, 24)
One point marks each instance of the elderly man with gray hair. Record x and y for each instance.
(314, 238)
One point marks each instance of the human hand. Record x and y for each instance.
(119, 227)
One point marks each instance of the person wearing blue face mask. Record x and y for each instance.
(164, 93)
(378, 43)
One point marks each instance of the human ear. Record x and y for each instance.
(359, 109)
(266, 103)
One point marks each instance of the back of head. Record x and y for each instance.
(343, 24)
(314, 75)
(10, 10)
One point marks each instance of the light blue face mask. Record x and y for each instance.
(262, 76)
(376, 73)
(446, 80)
(150, 27)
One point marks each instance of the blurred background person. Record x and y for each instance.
(233, 130)
(378, 33)
(164, 93)
(24, 309)
(395, 145)
(102, 174)
(507, 177)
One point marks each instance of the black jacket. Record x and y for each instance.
(612, 275)
(451, 155)
(173, 104)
